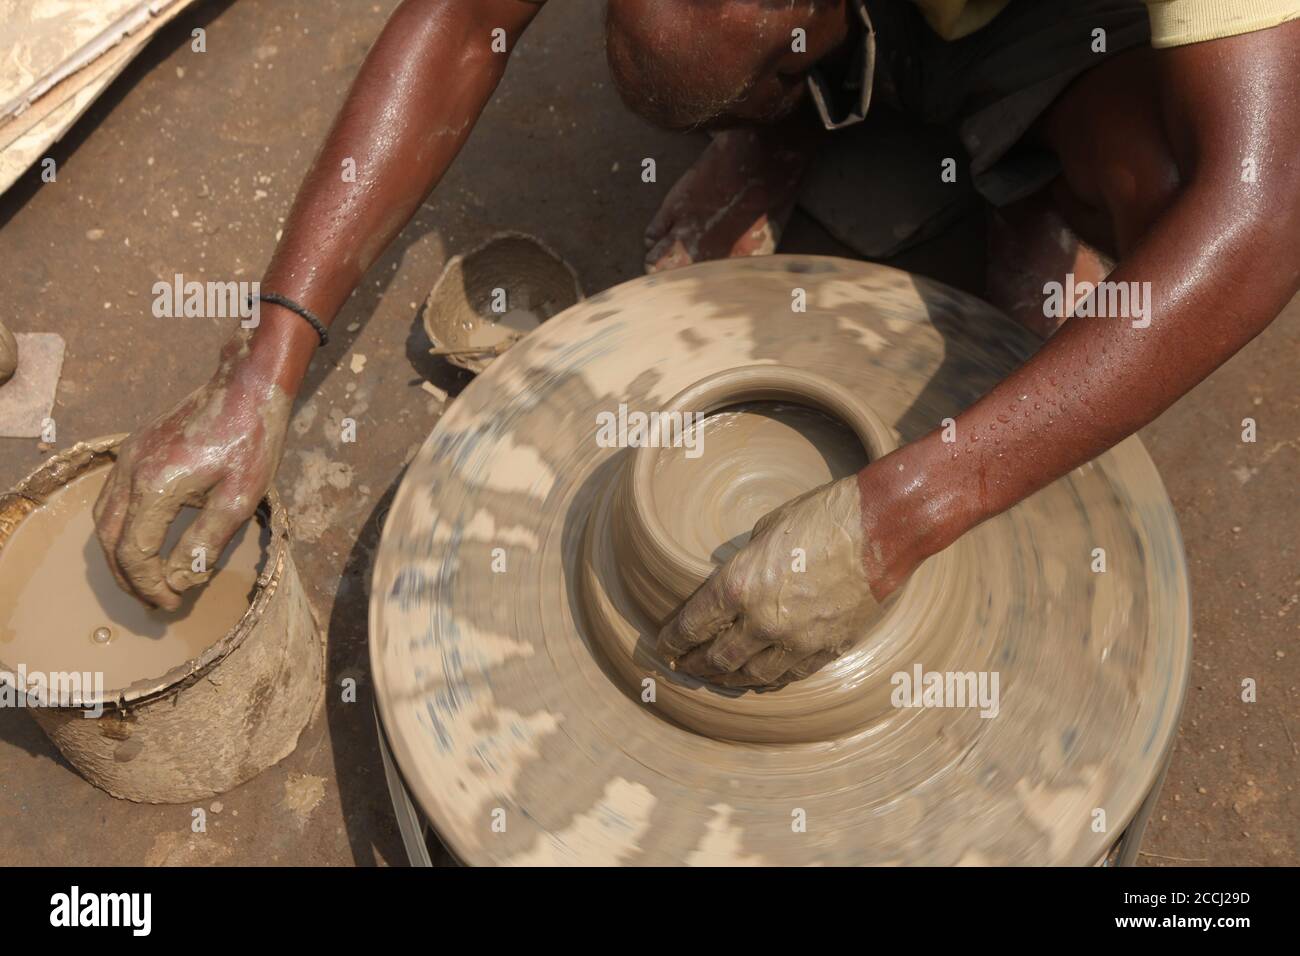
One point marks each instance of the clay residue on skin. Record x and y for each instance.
(812, 693)
(803, 591)
(56, 590)
(216, 450)
(794, 622)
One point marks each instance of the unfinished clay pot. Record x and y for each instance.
(663, 524)
(662, 572)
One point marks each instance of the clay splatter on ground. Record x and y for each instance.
(303, 793)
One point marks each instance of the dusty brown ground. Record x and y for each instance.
(189, 165)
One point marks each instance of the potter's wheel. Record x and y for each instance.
(522, 743)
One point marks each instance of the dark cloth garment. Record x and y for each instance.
(971, 99)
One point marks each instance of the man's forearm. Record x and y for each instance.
(1219, 274)
(409, 111)
(1221, 262)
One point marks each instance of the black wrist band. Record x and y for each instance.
(293, 306)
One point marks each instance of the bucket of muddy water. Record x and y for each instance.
(151, 705)
(491, 297)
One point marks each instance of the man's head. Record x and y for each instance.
(683, 64)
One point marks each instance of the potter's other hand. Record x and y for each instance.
(789, 602)
(733, 202)
(217, 450)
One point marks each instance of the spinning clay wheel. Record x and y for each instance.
(525, 568)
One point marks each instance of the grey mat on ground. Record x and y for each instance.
(27, 399)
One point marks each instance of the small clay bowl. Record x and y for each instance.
(662, 573)
(489, 298)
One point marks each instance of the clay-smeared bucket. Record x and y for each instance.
(213, 722)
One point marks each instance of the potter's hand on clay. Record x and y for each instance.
(759, 620)
(217, 450)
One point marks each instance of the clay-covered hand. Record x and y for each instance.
(789, 602)
(217, 450)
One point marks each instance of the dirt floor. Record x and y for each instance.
(189, 164)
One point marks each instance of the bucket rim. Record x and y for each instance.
(61, 469)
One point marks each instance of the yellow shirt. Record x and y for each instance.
(1173, 22)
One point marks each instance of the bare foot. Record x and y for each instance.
(734, 201)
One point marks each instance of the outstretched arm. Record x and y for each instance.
(409, 111)
(411, 108)
(1222, 261)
